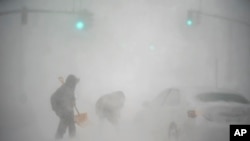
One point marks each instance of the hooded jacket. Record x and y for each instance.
(63, 99)
(109, 106)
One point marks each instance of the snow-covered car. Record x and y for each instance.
(196, 114)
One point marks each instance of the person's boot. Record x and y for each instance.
(72, 130)
(72, 135)
(58, 137)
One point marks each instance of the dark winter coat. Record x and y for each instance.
(63, 100)
(110, 105)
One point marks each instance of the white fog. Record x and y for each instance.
(139, 47)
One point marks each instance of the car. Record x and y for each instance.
(193, 114)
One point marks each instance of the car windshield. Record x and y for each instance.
(215, 97)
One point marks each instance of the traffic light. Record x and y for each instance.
(193, 18)
(24, 16)
(80, 25)
(189, 22)
(152, 47)
(84, 20)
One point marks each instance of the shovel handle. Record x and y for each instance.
(77, 110)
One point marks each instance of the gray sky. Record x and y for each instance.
(140, 47)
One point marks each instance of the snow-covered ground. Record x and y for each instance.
(91, 132)
(127, 132)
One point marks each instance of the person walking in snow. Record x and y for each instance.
(62, 103)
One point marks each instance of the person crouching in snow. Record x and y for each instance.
(63, 102)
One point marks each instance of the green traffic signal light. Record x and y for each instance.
(152, 47)
(80, 25)
(189, 22)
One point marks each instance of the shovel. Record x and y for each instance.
(80, 118)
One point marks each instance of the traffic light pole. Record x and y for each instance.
(230, 20)
(84, 16)
(200, 13)
(25, 11)
(9, 12)
(38, 11)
